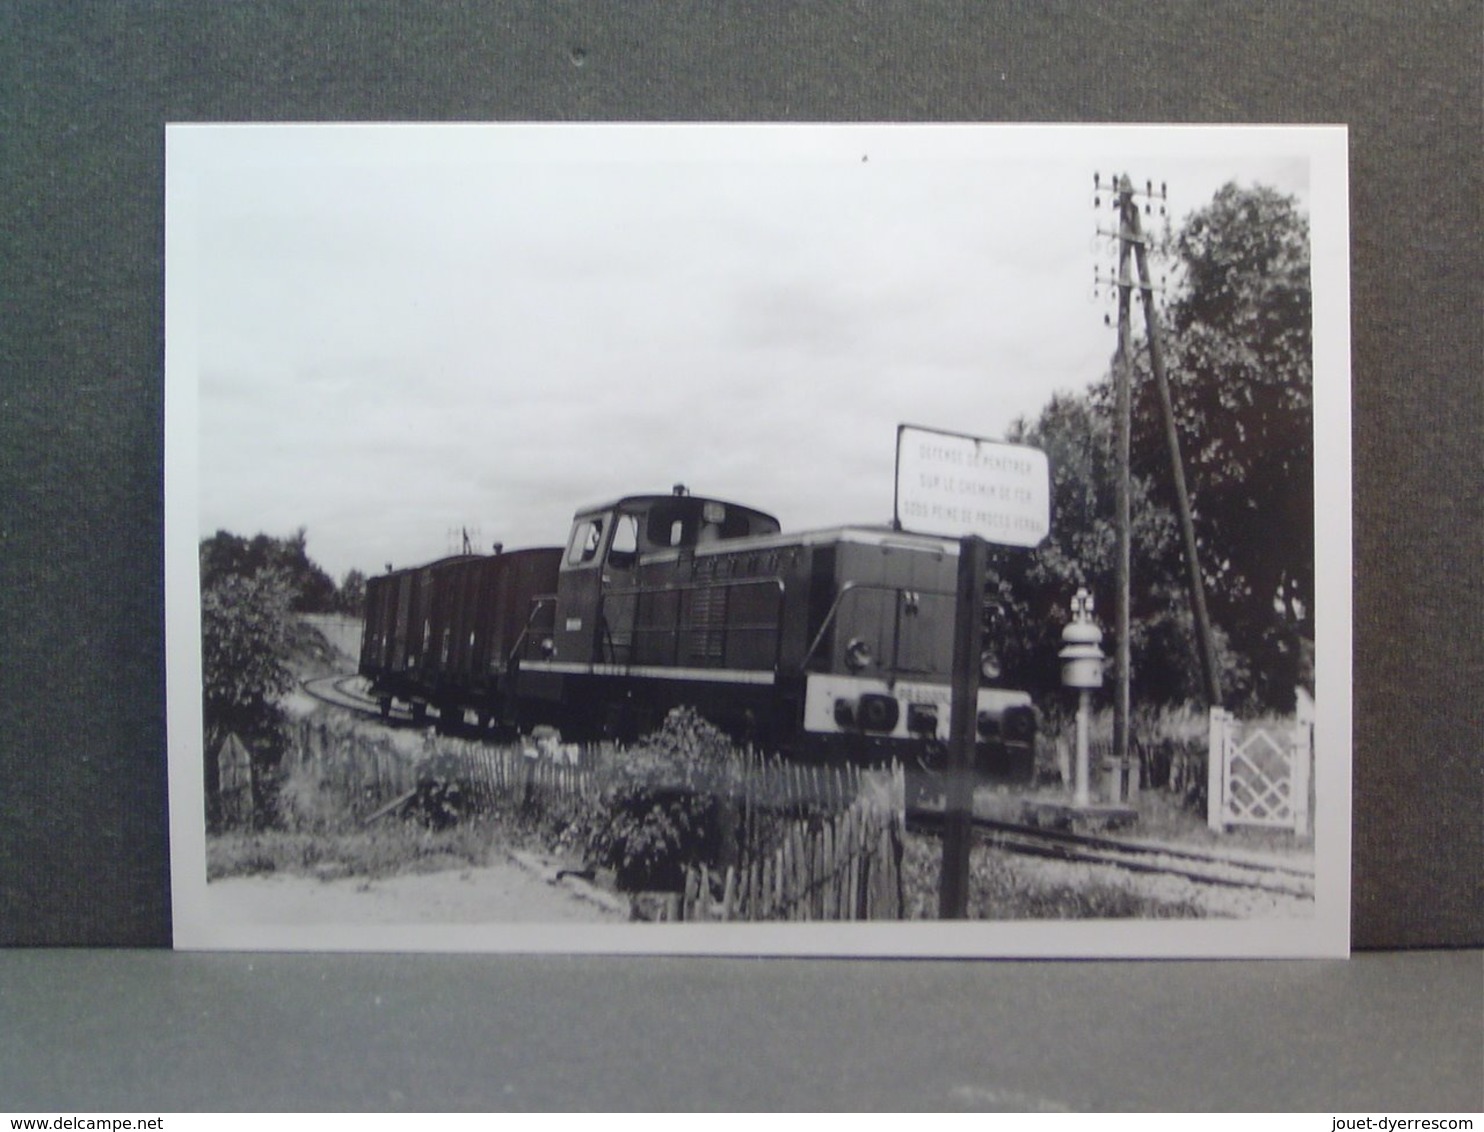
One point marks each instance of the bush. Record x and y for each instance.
(1169, 742)
(665, 807)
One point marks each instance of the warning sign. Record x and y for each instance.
(954, 485)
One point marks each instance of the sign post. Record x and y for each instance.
(980, 492)
(958, 801)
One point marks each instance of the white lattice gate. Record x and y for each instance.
(1258, 773)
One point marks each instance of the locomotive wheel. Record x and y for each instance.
(419, 712)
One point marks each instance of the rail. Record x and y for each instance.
(1134, 856)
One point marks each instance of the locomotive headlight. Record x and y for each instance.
(857, 654)
(548, 648)
(989, 665)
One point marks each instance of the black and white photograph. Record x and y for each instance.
(763, 540)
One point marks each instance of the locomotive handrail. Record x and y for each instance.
(704, 583)
(847, 589)
(536, 603)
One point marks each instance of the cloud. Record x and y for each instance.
(404, 332)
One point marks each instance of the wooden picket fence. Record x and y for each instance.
(364, 771)
(843, 867)
(812, 842)
(523, 775)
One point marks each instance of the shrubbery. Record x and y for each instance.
(669, 803)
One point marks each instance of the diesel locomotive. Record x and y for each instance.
(828, 645)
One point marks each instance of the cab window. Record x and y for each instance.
(625, 548)
(587, 536)
(670, 525)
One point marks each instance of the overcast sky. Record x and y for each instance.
(397, 332)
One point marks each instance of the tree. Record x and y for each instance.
(245, 640)
(1240, 348)
(311, 589)
(250, 591)
(351, 597)
(1031, 590)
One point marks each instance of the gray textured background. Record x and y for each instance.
(136, 1032)
(85, 90)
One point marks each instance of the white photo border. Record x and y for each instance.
(193, 149)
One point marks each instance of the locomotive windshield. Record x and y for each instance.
(587, 536)
(641, 524)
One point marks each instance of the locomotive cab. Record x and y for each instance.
(597, 597)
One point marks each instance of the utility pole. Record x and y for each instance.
(958, 808)
(1122, 284)
(1123, 430)
(1205, 646)
(1133, 243)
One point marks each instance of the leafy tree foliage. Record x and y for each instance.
(245, 635)
(1030, 591)
(245, 638)
(1238, 346)
(226, 554)
(1241, 375)
(350, 598)
(250, 591)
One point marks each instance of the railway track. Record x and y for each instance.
(347, 692)
(1135, 856)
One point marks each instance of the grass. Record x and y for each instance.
(1170, 745)
(387, 849)
(1162, 817)
(1000, 889)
